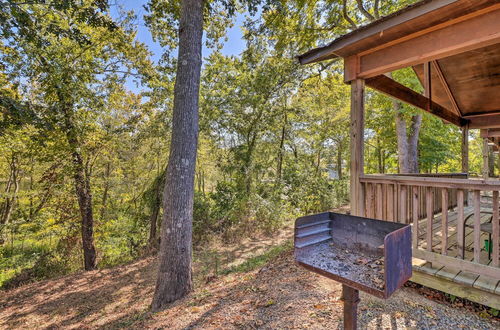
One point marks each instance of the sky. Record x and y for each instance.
(234, 46)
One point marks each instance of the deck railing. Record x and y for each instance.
(409, 199)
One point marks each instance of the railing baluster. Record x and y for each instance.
(444, 221)
(390, 202)
(496, 231)
(402, 204)
(460, 223)
(477, 225)
(363, 192)
(430, 216)
(369, 200)
(415, 216)
(379, 208)
(395, 204)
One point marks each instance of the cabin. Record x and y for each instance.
(453, 46)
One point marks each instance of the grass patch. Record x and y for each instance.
(260, 260)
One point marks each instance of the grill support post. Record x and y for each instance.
(350, 297)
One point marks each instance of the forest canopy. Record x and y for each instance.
(83, 155)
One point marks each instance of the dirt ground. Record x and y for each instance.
(279, 295)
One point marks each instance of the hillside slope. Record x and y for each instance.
(278, 295)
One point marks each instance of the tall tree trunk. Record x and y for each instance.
(11, 191)
(281, 151)
(174, 279)
(82, 189)
(107, 173)
(339, 159)
(379, 156)
(407, 142)
(416, 122)
(159, 186)
(153, 220)
(402, 138)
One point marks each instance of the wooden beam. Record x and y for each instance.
(427, 82)
(486, 168)
(420, 181)
(457, 289)
(392, 88)
(496, 232)
(447, 89)
(464, 265)
(484, 121)
(374, 29)
(475, 30)
(465, 149)
(357, 145)
(490, 132)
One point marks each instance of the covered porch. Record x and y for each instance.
(453, 46)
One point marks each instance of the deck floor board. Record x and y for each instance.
(449, 273)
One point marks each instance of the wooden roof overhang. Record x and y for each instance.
(452, 45)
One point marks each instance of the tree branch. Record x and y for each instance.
(376, 9)
(346, 16)
(364, 11)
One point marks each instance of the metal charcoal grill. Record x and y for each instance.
(363, 254)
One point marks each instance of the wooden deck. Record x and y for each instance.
(481, 289)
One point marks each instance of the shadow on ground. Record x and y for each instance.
(278, 295)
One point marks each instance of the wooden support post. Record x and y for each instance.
(486, 167)
(415, 202)
(465, 156)
(356, 134)
(465, 149)
(477, 225)
(496, 231)
(430, 215)
(444, 221)
(460, 224)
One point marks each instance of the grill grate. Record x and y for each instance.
(363, 254)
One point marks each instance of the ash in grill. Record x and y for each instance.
(363, 254)
(366, 269)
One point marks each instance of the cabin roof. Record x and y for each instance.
(457, 40)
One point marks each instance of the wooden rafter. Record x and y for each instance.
(446, 86)
(392, 88)
(486, 120)
(428, 84)
(472, 31)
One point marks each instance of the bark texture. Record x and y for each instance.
(174, 273)
(407, 141)
(11, 190)
(82, 189)
(158, 188)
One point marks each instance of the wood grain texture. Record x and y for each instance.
(357, 145)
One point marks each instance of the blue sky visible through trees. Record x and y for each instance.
(234, 45)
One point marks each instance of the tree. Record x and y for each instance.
(174, 272)
(301, 25)
(71, 49)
